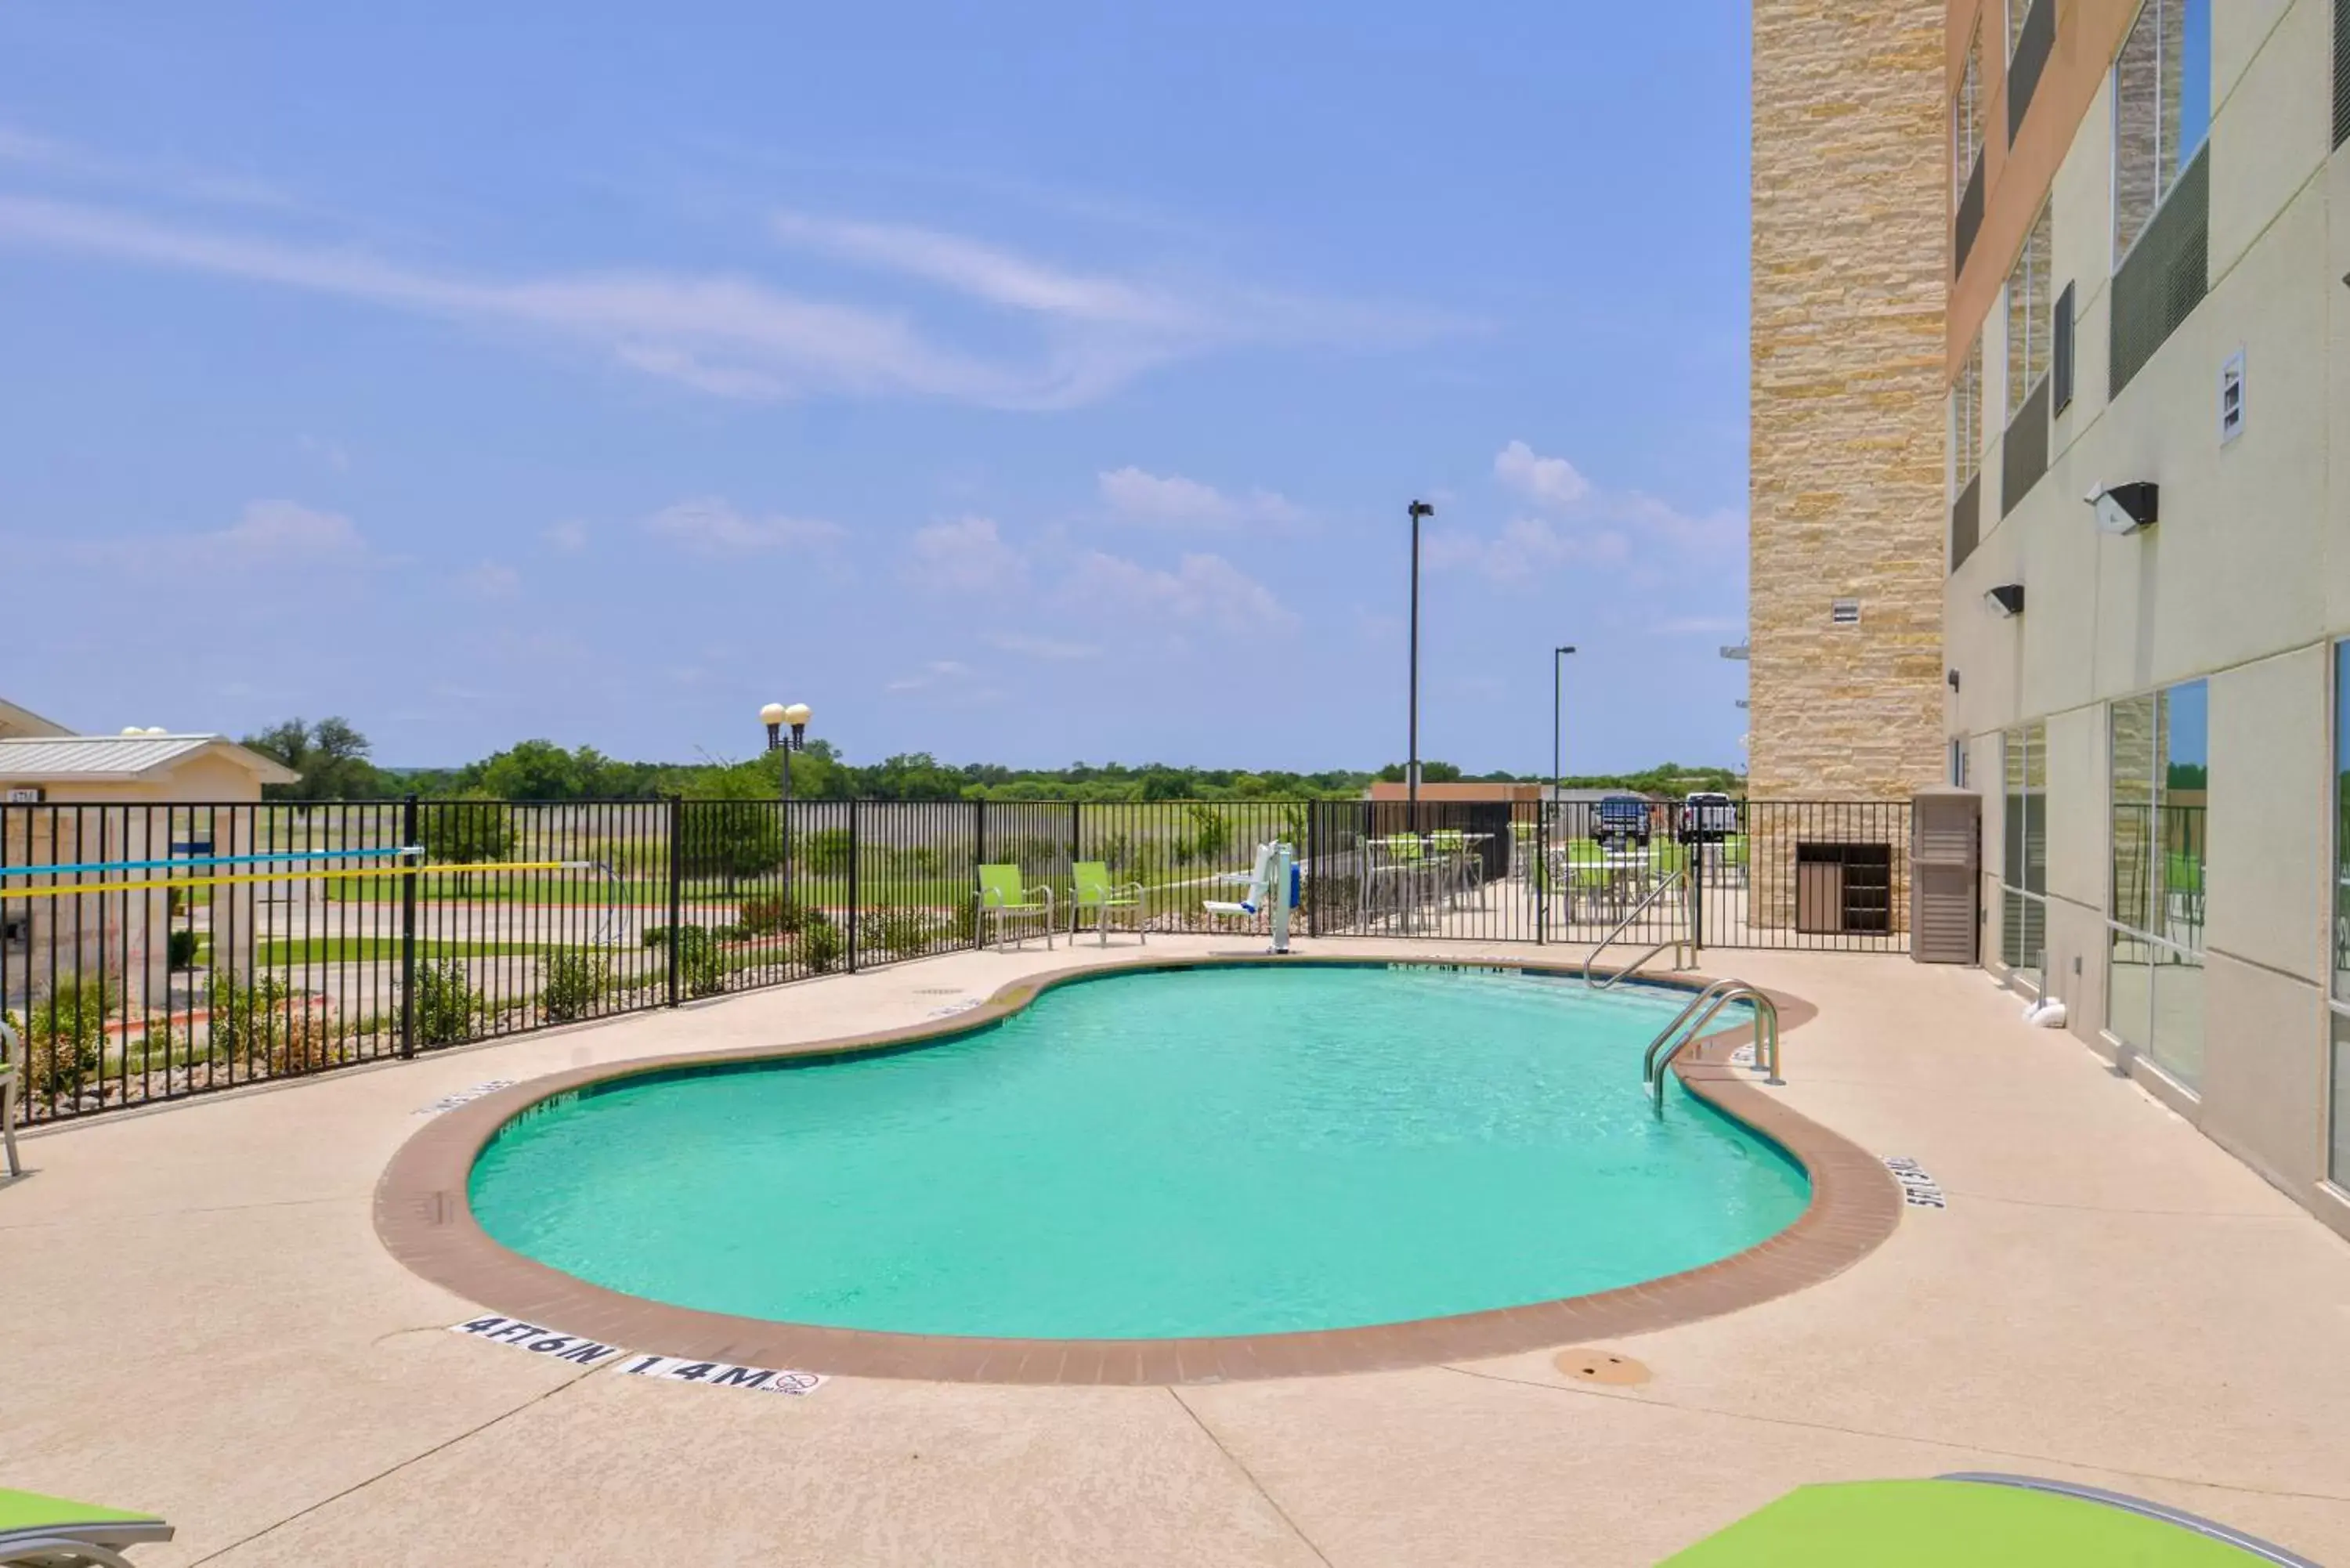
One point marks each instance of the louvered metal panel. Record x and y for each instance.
(2167, 274)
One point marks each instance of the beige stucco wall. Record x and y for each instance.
(1851, 207)
(122, 936)
(2245, 582)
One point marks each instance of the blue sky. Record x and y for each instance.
(1028, 383)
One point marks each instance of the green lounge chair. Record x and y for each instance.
(38, 1531)
(1003, 900)
(1097, 892)
(1975, 1522)
(8, 1098)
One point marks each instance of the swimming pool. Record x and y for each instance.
(1157, 1155)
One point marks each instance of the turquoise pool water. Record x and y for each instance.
(1203, 1152)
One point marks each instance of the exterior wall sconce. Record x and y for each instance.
(2126, 508)
(1952, 677)
(2006, 600)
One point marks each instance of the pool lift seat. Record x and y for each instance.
(1273, 883)
(1688, 1026)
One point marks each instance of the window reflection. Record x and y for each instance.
(2159, 750)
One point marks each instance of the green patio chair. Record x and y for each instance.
(1004, 901)
(1097, 892)
(1974, 1522)
(8, 1096)
(38, 1531)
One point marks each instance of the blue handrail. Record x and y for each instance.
(192, 862)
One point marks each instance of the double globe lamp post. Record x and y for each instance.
(777, 718)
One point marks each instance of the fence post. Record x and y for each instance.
(1538, 874)
(1312, 897)
(1695, 857)
(676, 887)
(408, 841)
(1076, 837)
(856, 908)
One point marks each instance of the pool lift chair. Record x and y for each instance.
(1274, 883)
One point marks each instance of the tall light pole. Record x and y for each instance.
(775, 715)
(1419, 509)
(1557, 706)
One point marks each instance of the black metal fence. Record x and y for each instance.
(153, 951)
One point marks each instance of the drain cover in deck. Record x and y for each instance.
(1586, 1365)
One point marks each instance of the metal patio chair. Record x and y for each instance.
(9, 1079)
(38, 1532)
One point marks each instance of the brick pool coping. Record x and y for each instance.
(424, 1219)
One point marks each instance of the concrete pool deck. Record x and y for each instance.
(203, 1323)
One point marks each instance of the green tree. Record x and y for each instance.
(1429, 772)
(466, 831)
(330, 755)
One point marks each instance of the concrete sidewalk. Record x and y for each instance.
(200, 1322)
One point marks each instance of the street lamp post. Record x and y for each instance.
(1557, 707)
(1418, 510)
(777, 716)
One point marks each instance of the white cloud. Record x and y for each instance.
(1714, 532)
(967, 555)
(568, 536)
(937, 673)
(286, 531)
(1044, 647)
(711, 526)
(717, 380)
(730, 336)
(1546, 480)
(1202, 589)
(985, 272)
(268, 536)
(1134, 494)
(715, 333)
(1526, 548)
(489, 580)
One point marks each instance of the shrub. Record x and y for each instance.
(904, 932)
(238, 1016)
(769, 917)
(183, 948)
(65, 1037)
(730, 838)
(735, 933)
(571, 986)
(701, 971)
(820, 942)
(445, 1004)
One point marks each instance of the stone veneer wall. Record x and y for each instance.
(1851, 261)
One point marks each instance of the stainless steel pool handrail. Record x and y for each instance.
(1716, 997)
(1649, 1061)
(1653, 894)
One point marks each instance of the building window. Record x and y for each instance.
(1967, 418)
(2031, 40)
(2159, 747)
(1966, 122)
(2024, 861)
(2338, 1166)
(2162, 109)
(2031, 311)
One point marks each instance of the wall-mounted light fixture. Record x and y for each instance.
(2006, 600)
(1952, 677)
(2126, 508)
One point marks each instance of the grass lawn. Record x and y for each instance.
(286, 951)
